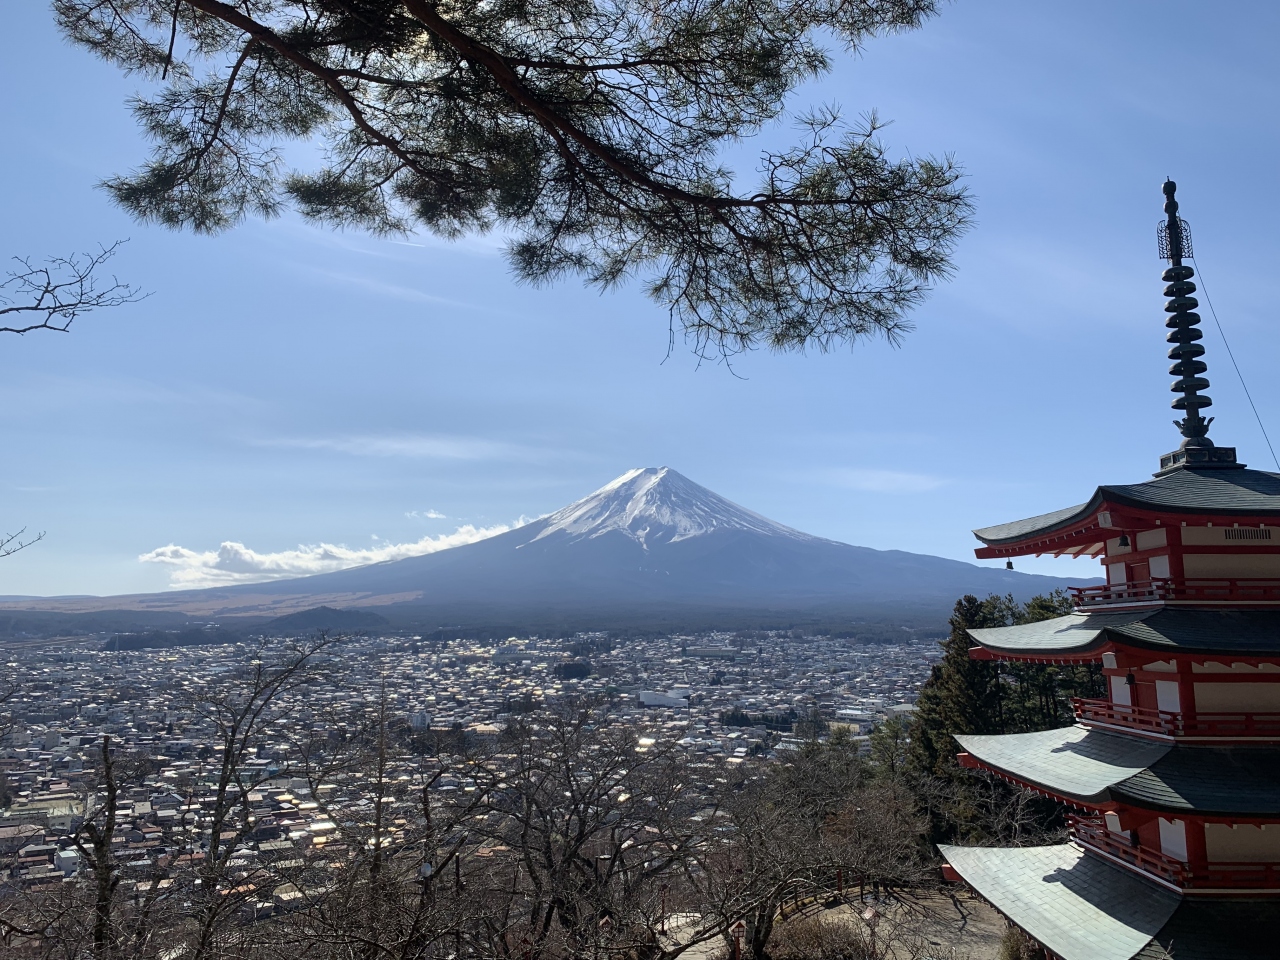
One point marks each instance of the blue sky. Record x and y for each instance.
(286, 387)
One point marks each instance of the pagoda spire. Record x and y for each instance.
(1197, 449)
(1183, 324)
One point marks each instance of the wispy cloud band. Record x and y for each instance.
(412, 446)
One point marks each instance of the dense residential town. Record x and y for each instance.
(718, 696)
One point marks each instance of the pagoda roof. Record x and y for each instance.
(1074, 762)
(1165, 629)
(1078, 906)
(1095, 767)
(1229, 781)
(1240, 492)
(1084, 908)
(1217, 930)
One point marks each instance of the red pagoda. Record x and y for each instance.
(1172, 780)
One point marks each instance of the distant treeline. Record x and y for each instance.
(170, 638)
(888, 631)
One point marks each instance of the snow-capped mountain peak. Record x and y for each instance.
(656, 505)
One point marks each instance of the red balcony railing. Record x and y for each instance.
(1252, 726)
(1092, 833)
(1178, 591)
(1135, 718)
(1223, 876)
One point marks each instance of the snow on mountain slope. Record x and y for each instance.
(651, 543)
(656, 505)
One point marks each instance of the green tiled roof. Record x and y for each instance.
(1234, 631)
(1094, 766)
(1016, 530)
(1083, 908)
(1080, 907)
(1218, 930)
(1160, 628)
(1243, 492)
(1073, 761)
(1073, 633)
(1230, 781)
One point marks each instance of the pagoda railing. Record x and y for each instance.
(1247, 591)
(1120, 715)
(1172, 724)
(1093, 834)
(1233, 876)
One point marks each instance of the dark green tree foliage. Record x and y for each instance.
(965, 696)
(961, 695)
(985, 696)
(593, 133)
(573, 669)
(889, 749)
(1038, 696)
(812, 726)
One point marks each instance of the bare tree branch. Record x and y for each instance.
(11, 543)
(50, 295)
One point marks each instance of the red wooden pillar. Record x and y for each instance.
(1186, 688)
(1197, 855)
(1174, 540)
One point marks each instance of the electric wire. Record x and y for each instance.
(1248, 396)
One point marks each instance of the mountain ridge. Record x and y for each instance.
(649, 540)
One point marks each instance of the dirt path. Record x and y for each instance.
(933, 925)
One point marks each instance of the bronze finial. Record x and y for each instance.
(1183, 323)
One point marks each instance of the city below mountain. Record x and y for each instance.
(651, 547)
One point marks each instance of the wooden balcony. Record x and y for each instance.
(1118, 846)
(1227, 726)
(1094, 834)
(1194, 592)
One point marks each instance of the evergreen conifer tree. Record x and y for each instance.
(966, 696)
(962, 695)
(594, 134)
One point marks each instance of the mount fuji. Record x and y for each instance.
(651, 544)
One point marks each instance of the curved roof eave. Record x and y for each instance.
(1045, 523)
(1073, 633)
(1079, 906)
(1240, 492)
(1073, 762)
(1165, 629)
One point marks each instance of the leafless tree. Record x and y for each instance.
(596, 829)
(565, 836)
(100, 830)
(50, 295)
(398, 845)
(241, 712)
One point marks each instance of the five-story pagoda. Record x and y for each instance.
(1173, 779)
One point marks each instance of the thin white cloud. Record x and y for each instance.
(413, 446)
(882, 481)
(393, 291)
(234, 563)
(425, 515)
